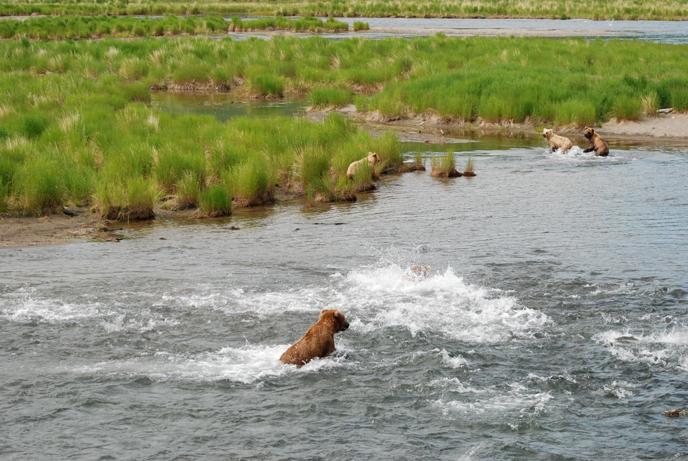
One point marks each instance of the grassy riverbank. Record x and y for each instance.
(80, 27)
(557, 9)
(493, 79)
(75, 124)
(68, 139)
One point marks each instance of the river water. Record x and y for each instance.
(552, 323)
(674, 32)
(654, 31)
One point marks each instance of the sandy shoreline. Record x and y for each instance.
(434, 129)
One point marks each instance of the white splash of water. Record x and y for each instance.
(24, 305)
(247, 364)
(576, 154)
(619, 389)
(517, 401)
(440, 303)
(667, 348)
(454, 362)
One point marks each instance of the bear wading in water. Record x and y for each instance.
(318, 340)
(556, 142)
(597, 144)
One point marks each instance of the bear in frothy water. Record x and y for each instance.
(318, 340)
(556, 142)
(597, 144)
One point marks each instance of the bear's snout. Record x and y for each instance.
(345, 326)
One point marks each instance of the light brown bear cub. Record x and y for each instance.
(556, 142)
(318, 340)
(597, 144)
(372, 160)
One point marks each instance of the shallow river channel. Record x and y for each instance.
(552, 323)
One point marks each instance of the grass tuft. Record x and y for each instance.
(215, 201)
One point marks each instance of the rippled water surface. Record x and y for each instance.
(552, 322)
(675, 32)
(225, 106)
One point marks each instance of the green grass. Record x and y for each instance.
(325, 97)
(556, 9)
(493, 79)
(470, 166)
(267, 85)
(215, 201)
(306, 24)
(188, 191)
(252, 178)
(81, 27)
(94, 143)
(443, 165)
(76, 123)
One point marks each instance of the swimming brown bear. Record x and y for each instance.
(596, 143)
(318, 340)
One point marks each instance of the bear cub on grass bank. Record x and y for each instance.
(372, 160)
(597, 144)
(556, 142)
(318, 340)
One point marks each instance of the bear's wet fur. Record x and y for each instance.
(318, 340)
(372, 160)
(597, 144)
(556, 142)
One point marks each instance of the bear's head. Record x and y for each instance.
(546, 133)
(373, 158)
(420, 270)
(589, 132)
(336, 318)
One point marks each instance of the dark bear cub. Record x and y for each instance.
(596, 143)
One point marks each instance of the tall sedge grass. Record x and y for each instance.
(469, 170)
(98, 146)
(324, 97)
(305, 24)
(444, 166)
(41, 187)
(188, 191)
(558, 9)
(77, 113)
(215, 201)
(82, 27)
(250, 180)
(491, 79)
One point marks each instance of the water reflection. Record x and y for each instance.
(224, 106)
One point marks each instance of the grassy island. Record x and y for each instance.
(557, 9)
(76, 124)
(81, 27)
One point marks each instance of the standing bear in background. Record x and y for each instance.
(318, 340)
(556, 142)
(372, 160)
(597, 144)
